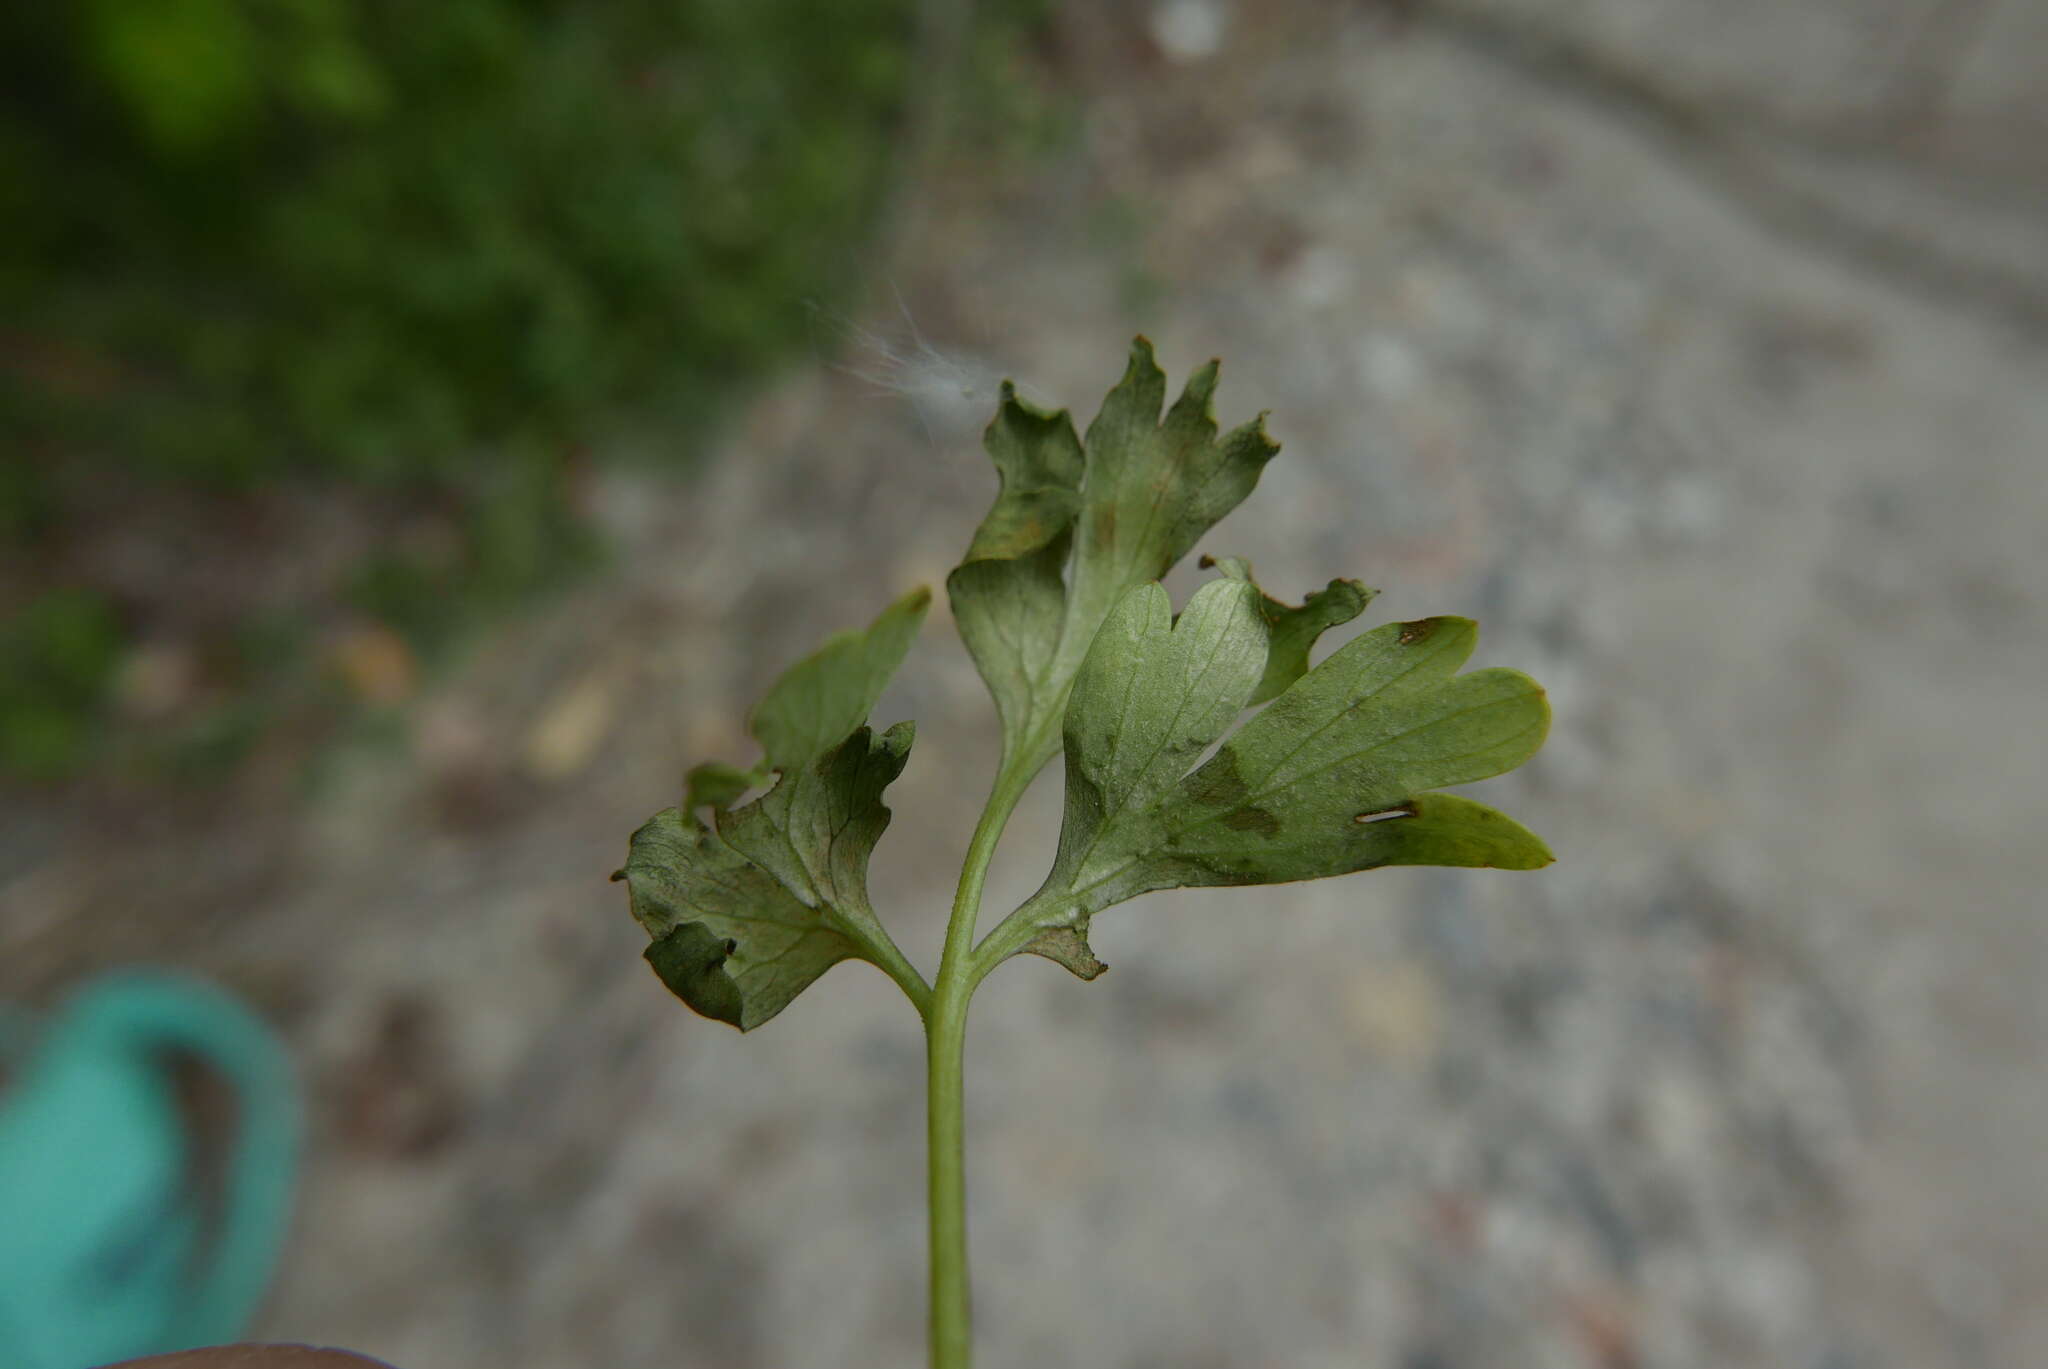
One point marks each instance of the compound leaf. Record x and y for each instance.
(1077, 524)
(1333, 777)
(746, 911)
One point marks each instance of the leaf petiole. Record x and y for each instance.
(960, 970)
(890, 960)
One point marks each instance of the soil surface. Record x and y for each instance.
(1696, 350)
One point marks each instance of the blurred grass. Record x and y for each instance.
(313, 308)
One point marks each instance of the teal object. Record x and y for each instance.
(107, 1248)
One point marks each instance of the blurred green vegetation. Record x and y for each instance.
(57, 657)
(412, 260)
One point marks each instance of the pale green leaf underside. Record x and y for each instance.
(1152, 695)
(727, 937)
(1292, 630)
(1077, 524)
(746, 911)
(1333, 777)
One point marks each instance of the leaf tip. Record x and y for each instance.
(1231, 567)
(1011, 405)
(1250, 443)
(1141, 370)
(1068, 946)
(1353, 590)
(1534, 854)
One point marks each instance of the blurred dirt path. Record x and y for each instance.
(1694, 349)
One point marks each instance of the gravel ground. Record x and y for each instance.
(1694, 349)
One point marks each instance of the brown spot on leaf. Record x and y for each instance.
(1417, 631)
(1218, 783)
(1103, 525)
(1252, 820)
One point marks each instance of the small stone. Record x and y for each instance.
(1388, 365)
(1393, 1010)
(572, 727)
(1190, 30)
(376, 663)
(157, 679)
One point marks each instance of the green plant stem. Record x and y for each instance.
(952, 1335)
(1010, 936)
(893, 963)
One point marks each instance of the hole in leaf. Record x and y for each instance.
(1383, 815)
